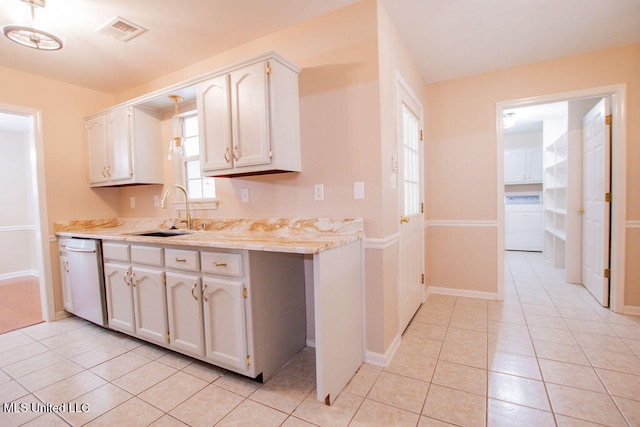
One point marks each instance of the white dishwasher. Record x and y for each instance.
(86, 280)
(524, 222)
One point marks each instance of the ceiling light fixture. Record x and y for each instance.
(30, 36)
(508, 120)
(175, 144)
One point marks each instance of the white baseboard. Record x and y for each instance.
(461, 293)
(632, 309)
(61, 315)
(9, 277)
(379, 359)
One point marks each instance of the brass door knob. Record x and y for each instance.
(581, 210)
(404, 220)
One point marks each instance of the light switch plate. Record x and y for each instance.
(358, 190)
(318, 192)
(156, 201)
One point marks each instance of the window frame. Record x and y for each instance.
(203, 203)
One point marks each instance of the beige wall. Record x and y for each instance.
(349, 62)
(63, 107)
(461, 157)
(394, 60)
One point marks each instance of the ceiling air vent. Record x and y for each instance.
(121, 29)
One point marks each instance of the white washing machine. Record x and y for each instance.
(524, 222)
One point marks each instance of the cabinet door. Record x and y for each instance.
(150, 305)
(119, 132)
(250, 115)
(515, 166)
(214, 121)
(534, 165)
(224, 323)
(66, 283)
(97, 147)
(184, 307)
(117, 278)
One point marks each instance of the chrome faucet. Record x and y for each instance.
(186, 198)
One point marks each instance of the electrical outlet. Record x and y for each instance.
(318, 192)
(156, 201)
(132, 202)
(244, 195)
(358, 190)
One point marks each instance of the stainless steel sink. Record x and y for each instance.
(162, 233)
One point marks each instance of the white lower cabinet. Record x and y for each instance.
(225, 327)
(237, 309)
(136, 300)
(149, 304)
(119, 297)
(184, 308)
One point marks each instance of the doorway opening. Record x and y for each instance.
(542, 205)
(25, 273)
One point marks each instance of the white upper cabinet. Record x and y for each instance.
(523, 165)
(124, 147)
(214, 120)
(249, 119)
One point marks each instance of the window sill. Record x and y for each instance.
(199, 205)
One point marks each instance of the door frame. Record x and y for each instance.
(43, 249)
(618, 95)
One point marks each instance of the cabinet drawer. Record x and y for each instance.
(222, 263)
(182, 259)
(115, 251)
(149, 255)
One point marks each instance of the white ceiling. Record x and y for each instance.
(448, 39)
(456, 38)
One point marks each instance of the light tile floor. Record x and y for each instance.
(546, 355)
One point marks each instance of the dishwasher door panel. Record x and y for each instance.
(86, 280)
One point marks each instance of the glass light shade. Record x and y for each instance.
(32, 37)
(175, 148)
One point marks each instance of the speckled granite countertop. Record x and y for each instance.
(294, 235)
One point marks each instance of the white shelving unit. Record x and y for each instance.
(556, 173)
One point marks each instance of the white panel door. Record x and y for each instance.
(117, 281)
(214, 121)
(184, 306)
(411, 256)
(515, 164)
(96, 129)
(534, 164)
(250, 115)
(225, 328)
(119, 133)
(596, 183)
(150, 304)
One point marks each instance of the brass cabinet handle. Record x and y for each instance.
(404, 220)
(234, 153)
(133, 279)
(181, 260)
(581, 210)
(219, 264)
(193, 288)
(104, 171)
(66, 266)
(226, 155)
(204, 296)
(126, 278)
